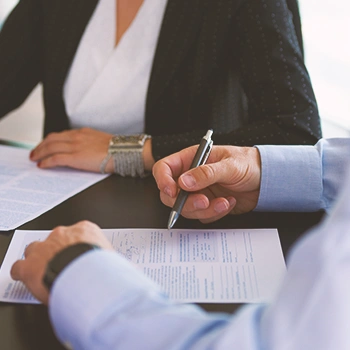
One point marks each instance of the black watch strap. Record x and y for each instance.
(62, 259)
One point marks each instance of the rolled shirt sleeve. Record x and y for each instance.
(302, 178)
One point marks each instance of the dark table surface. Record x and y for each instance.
(118, 202)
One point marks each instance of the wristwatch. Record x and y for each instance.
(127, 153)
(62, 259)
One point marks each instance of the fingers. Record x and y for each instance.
(199, 206)
(83, 231)
(194, 202)
(54, 150)
(32, 246)
(17, 271)
(81, 149)
(221, 209)
(205, 176)
(163, 175)
(31, 269)
(50, 148)
(216, 209)
(235, 168)
(53, 143)
(56, 160)
(167, 170)
(228, 183)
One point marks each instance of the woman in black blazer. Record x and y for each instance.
(231, 65)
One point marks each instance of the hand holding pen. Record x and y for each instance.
(200, 158)
(228, 183)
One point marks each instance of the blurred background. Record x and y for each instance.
(326, 31)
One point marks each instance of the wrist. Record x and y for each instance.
(127, 152)
(256, 166)
(62, 259)
(148, 159)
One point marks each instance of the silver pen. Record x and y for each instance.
(200, 158)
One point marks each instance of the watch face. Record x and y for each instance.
(128, 141)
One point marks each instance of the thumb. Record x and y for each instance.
(16, 270)
(205, 175)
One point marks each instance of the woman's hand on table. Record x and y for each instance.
(82, 149)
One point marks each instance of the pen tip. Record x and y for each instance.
(172, 219)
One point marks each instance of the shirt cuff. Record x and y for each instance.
(95, 280)
(291, 179)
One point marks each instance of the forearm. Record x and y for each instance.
(111, 305)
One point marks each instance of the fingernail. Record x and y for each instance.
(200, 204)
(188, 180)
(167, 191)
(31, 154)
(232, 201)
(220, 207)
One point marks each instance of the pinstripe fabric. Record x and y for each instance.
(233, 65)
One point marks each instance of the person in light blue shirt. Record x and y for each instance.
(263, 178)
(101, 301)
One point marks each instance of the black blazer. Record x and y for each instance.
(231, 65)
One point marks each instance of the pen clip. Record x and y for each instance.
(207, 152)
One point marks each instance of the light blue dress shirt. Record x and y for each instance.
(305, 178)
(103, 302)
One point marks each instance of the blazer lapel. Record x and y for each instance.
(76, 20)
(180, 25)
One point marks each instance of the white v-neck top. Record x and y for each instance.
(106, 86)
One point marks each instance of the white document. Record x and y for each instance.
(214, 266)
(27, 191)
